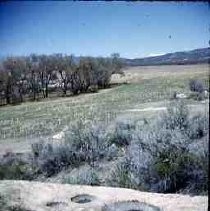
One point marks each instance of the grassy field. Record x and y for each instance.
(146, 87)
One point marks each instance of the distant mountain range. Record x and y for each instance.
(196, 56)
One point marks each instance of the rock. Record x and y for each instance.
(206, 93)
(181, 96)
(59, 136)
(50, 196)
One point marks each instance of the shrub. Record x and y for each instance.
(144, 152)
(167, 155)
(172, 170)
(175, 167)
(196, 86)
(120, 175)
(167, 166)
(199, 96)
(198, 127)
(86, 176)
(174, 95)
(52, 158)
(112, 152)
(13, 166)
(88, 140)
(198, 180)
(177, 116)
(81, 144)
(122, 134)
(160, 157)
(93, 89)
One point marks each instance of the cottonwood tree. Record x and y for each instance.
(117, 64)
(65, 67)
(32, 66)
(47, 66)
(86, 67)
(3, 85)
(13, 76)
(25, 76)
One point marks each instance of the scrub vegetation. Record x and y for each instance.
(95, 139)
(167, 155)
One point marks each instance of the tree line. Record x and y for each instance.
(36, 76)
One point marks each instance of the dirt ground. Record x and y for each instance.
(36, 196)
(136, 74)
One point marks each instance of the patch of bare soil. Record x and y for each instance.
(49, 196)
(138, 73)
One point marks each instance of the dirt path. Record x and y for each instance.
(147, 109)
(153, 107)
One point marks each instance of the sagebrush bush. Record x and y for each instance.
(120, 175)
(122, 134)
(168, 170)
(177, 116)
(113, 152)
(172, 168)
(88, 140)
(199, 96)
(51, 158)
(85, 176)
(198, 127)
(196, 85)
(13, 166)
(82, 144)
(160, 159)
(167, 155)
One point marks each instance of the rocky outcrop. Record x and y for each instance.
(36, 196)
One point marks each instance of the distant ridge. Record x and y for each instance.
(197, 56)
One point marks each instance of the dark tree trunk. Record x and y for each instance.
(65, 88)
(8, 93)
(21, 95)
(46, 90)
(34, 94)
(33, 90)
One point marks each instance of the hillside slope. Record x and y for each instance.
(196, 56)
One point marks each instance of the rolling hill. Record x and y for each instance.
(196, 56)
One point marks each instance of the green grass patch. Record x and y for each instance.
(37, 119)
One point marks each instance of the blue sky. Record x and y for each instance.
(101, 28)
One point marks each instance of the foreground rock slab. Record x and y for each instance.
(36, 196)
